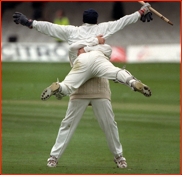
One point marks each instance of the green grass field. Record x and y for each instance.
(149, 128)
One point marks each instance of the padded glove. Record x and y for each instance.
(147, 17)
(19, 18)
(144, 9)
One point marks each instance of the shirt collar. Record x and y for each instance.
(87, 24)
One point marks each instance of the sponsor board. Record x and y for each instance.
(118, 54)
(58, 52)
(46, 52)
(34, 52)
(154, 53)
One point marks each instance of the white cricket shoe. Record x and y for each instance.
(58, 94)
(142, 88)
(52, 161)
(121, 162)
(49, 91)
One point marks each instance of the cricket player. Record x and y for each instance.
(91, 64)
(95, 92)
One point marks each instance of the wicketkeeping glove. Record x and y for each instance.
(19, 18)
(144, 9)
(147, 17)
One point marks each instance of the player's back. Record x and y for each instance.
(87, 31)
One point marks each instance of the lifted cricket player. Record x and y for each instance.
(94, 63)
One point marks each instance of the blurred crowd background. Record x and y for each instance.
(154, 32)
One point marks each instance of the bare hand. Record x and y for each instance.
(80, 51)
(101, 40)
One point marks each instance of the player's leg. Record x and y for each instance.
(78, 75)
(105, 69)
(93, 64)
(103, 111)
(75, 110)
(86, 66)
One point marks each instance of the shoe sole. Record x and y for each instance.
(142, 88)
(49, 91)
(124, 166)
(51, 166)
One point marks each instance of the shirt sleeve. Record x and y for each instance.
(74, 47)
(104, 48)
(54, 30)
(82, 43)
(112, 27)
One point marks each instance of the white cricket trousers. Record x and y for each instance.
(89, 65)
(104, 114)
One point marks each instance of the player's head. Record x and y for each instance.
(90, 16)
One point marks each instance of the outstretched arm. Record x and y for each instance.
(61, 32)
(112, 27)
(57, 31)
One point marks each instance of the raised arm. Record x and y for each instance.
(112, 27)
(57, 31)
(54, 30)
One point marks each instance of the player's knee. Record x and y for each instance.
(122, 76)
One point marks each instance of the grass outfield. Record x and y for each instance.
(149, 128)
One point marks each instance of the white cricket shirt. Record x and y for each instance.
(72, 34)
